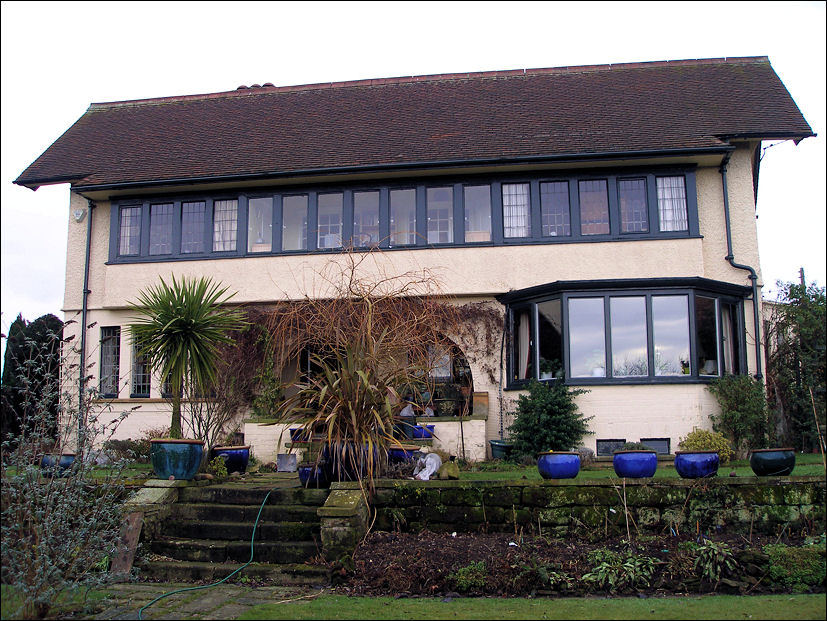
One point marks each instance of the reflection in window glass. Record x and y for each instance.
(594, 207)
(554, 201)
(516, 221)
(440, 215)
(550, 316)
(630, 351)
(477, 213)
(192, 226)
(365, 219)
(706, 335)
(130, 234)
(670, 332)
(260, 225)
(634, 217)
(225, 225)
(294, 216)
(587, 345)
(672, 203)
(403, 217)
(160, 228)
(524, 359)
(330, 220)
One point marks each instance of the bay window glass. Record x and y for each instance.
(516, 212)
(403, 217)
(294, 223)
(556, 213)
(160, 228)
(192, 226)
(523, 346)
(634, 212)
(672, 203)
(365, 219)
(730, 343)
(110, 364)
(260, 225)
(706, 335)
(129, 241)
(477, 213)
(330, 220)
(440, 208)
(550, 338)
(670, 334)
(225, 226)
(587, 344)
(594, 207)
(630, 351)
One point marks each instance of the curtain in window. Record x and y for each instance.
(225, 225)
(525, 345)
(672, 203)
(516, 221)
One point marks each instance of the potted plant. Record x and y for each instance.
(558, 464)
(701, 452)
(546, 369)
(635, 461)
(178, 328)
(235, 458)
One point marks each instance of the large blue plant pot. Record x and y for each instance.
(176, 458)
(778, 462)
(423, 432)
(403, 452)
(697, 464)
(311, 475)
(635, 464)
(236, 458)
(558, 465)
(60, 465)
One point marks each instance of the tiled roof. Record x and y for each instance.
(429, 120)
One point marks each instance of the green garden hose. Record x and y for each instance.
(207, 586)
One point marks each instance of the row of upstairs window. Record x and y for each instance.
(571, 209)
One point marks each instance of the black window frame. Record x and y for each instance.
(141, 374)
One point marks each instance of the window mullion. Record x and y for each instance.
(650, 337)
(607, 336)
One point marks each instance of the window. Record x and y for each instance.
(330, 220)
(477, 213)
(110, 361)
(365, 219)
(160, 228)
(628, 329)
(550, 338)
(440, 205)
(554, 204)
(130, 231)
(670, 330)
(403, 217)
(587, 344)
(294, 215)
(516, 213)
(141, 375)
(634, 215)
(192, 227)
(661, 445)
(225, 226)
(672, 203)
(594, 207)
(260, 225)
(523, 345)
(606, 448)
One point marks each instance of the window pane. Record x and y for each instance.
(260, 225)
(554, 201)
(403, 217)
(440, 215)
(550, 315)
(192, 227)
(630, 352)
(130, 234)
(160, 229)
(110, 361)
(477, 213)
(672, 203)
(730, 342)
(634, 217)
(330, 220)
(670, 331)
(516, 220)
(294, 216)
(706, 335)
(594, 207)
(141, 376)
(523, 345)
(587, 344)
(365, 219)
(225, 226)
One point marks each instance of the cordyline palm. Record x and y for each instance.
(179, 328)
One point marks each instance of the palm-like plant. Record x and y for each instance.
(179, 328)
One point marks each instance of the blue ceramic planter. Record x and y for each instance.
(558, 465)
(57, 464)
(421, 432)
(635, 464)
(401, 453)
(235, 457)
(778, 462)
(299, 434)
(311, 475)
(176, 458)
(696, 464)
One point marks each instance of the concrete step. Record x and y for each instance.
(253, 495)
(266, 531)
(294, 574)
(223, 551)
(215, 512)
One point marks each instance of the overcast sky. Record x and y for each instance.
(57, 58)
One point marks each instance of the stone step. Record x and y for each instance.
(294, 574)
(253, 495)
(223, 551)
(266, 531)
(215, 512)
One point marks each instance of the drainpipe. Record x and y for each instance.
(752, 275)
(83, 321)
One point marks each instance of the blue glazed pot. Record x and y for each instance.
(298, 434)
(176, 458)
(697, 464)
(558, 465)
(778, 462)
(57, 464)
(500, 449)
(421, 432)
(635, 464)
(235, 457)
(311, 475)
(401, 453)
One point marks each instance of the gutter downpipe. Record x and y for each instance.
(752, 275)
(83, 318)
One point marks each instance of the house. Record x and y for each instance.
(606, 212)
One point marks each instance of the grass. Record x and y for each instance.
(806, 464)
(69, 602)
(694, 607)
